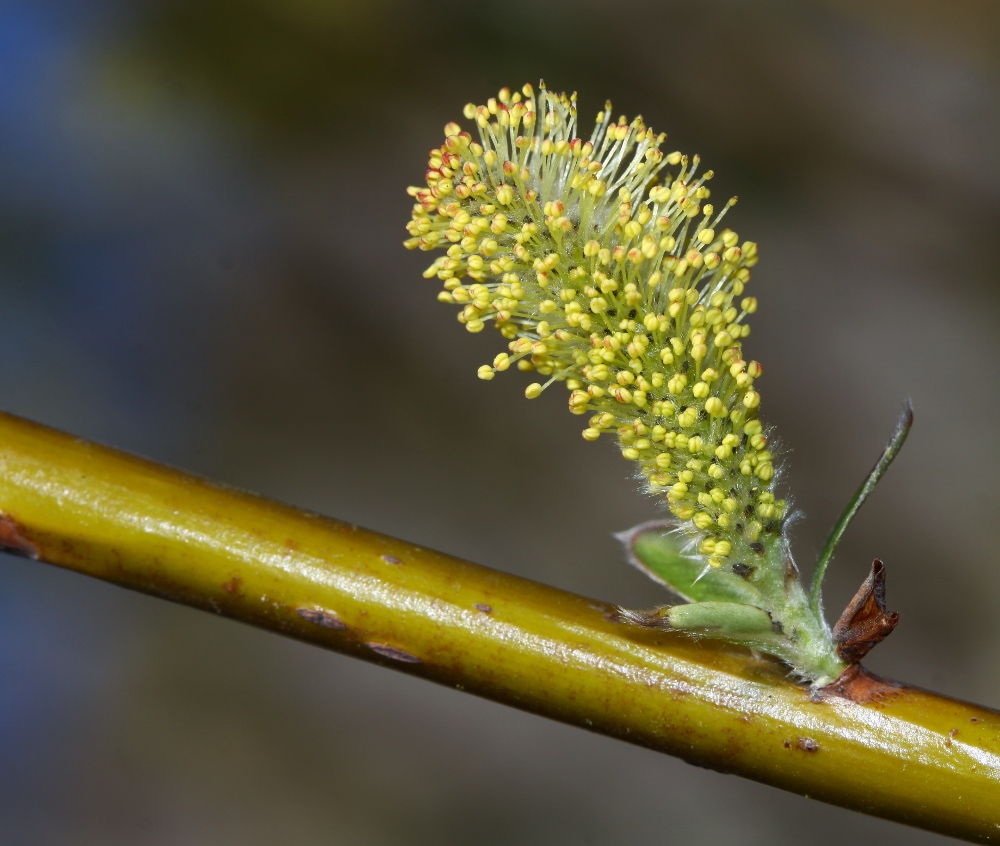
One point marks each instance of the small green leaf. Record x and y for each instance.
(867, 486)
(657, 553)
(735, 622)
(729, 620)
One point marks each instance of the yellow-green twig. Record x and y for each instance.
(910, 756)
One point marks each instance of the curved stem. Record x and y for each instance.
(837, 532)
(911, 756)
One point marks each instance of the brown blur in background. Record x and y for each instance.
(201, 214)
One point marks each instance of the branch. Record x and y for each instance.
(910, 756)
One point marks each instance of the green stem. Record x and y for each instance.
(913, 756)
(837, 532)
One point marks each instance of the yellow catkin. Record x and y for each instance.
(601, 264)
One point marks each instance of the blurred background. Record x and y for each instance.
(201, 214)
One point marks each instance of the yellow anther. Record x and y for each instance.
(715, 407)
(703, 520)
(533, 390)
(687, 418)
(485, 372)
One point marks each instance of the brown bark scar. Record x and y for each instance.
(322, 618)
(392, 653)
(807, 744)
(12, 539)
(859, 685)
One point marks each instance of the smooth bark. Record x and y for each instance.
(908, 755)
